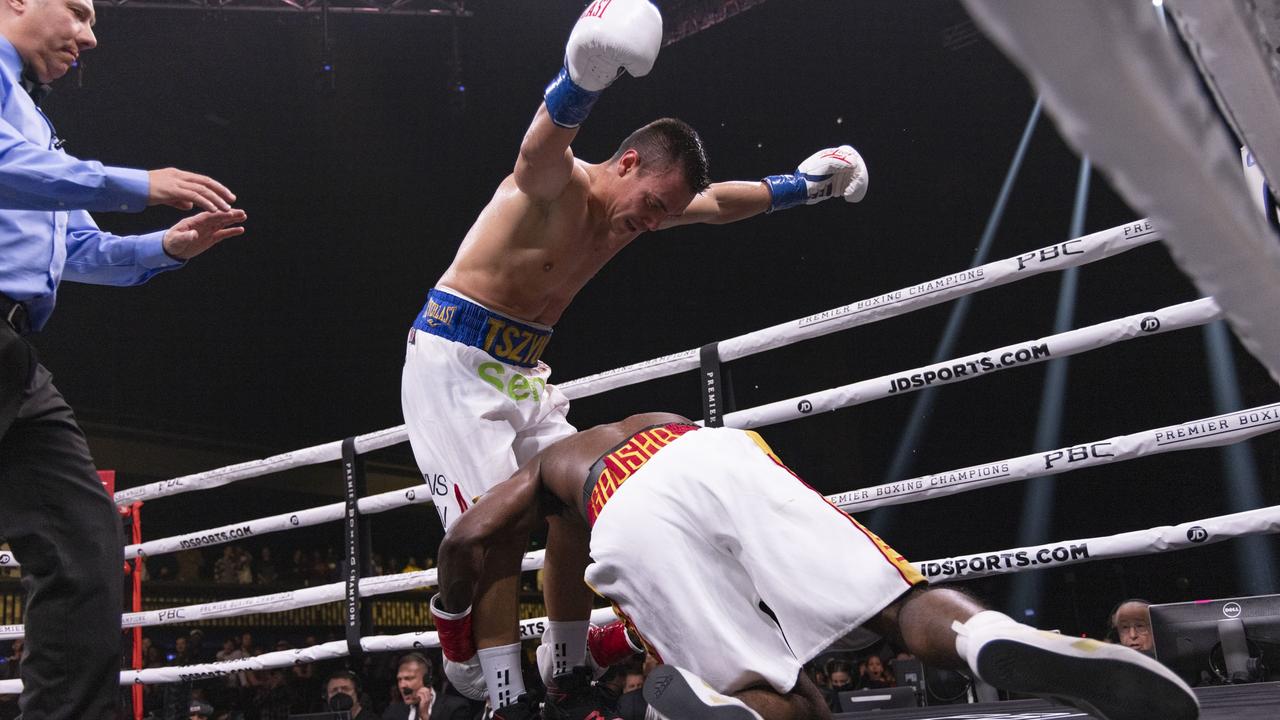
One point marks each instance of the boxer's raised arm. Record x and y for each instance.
(610, 37)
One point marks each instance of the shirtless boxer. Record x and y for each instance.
(475, 394)
(690, 528)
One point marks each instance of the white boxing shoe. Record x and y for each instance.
(1110, 681)
(677, 694)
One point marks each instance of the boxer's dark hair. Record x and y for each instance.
(668, 141)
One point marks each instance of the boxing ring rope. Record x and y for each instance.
(1208, 432)
(962, 567)
(1072, 342)
(315, 455)
(1138, 542)
(1126, 96)
(1059, 256)
(1195, 434)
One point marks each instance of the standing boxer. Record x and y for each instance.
(690, 529)
(475, 394)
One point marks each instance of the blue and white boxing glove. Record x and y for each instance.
(834, 172)
(611, 37)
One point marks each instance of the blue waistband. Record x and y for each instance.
(460, 320)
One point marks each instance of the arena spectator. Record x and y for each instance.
(342, 692)
(417, 698)
(1130, 621)
(265, 570)
(877, 676)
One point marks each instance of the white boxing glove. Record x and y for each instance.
(467, 677)
(611, 36)
(834, 172)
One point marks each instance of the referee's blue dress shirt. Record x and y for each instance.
(45, 232)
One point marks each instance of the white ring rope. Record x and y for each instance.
(1072, 342)
(262, 526)
(1138, 542)
(1071, 253)
(281, 601)
(285, 521)
(218, 477)
(962, 567)
(1216, 431)
(1207, 432)
(1060, 256)
(1126, 96)
(1174, 317)
(288, 658)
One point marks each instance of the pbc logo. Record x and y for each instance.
(1197, 534)
(805, 407)
(1150, 323)
(1231, 610)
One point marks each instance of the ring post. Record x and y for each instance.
(356, 548)
(135, 517)
(717, 392)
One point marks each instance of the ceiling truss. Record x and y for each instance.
(683, 17)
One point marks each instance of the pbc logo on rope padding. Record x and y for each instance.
(1150, 323)
(1197, 534)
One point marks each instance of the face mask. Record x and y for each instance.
(341, 702)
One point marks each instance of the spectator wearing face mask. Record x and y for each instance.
(342, 694)
(840, 676)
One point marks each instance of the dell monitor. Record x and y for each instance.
(1213, 642)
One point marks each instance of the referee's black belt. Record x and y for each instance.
(15, 314)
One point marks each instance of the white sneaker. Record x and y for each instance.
(1111, 681)
(680, 695)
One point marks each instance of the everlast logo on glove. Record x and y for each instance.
(596, 9)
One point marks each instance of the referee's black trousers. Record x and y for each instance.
(65, 532)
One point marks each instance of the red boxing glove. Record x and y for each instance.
(610, 644)
(454, 631)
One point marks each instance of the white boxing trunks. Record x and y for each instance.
(475, 398)
(693, 528)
